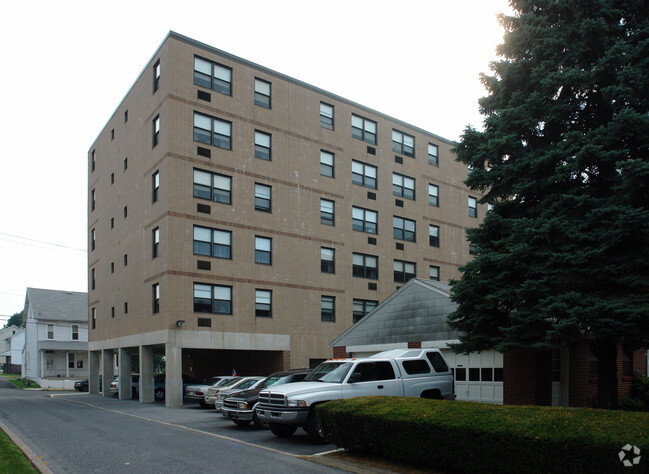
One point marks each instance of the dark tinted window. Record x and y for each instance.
(474, 374)
(460, 374)
(370, 371)
(437, 361)
(416, 366)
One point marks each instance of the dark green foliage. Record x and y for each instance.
(16, 320)
(564, 160)
(475, 437)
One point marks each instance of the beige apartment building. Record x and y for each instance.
(240, 219)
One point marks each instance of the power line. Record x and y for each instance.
(39, 241)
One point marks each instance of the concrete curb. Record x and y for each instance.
(35, 460)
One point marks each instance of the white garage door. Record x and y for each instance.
(478, 376)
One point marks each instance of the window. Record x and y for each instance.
(126, 307)
(155, 183)
(263, 250)
(433, 235)
(112, 267)
(212, 242)
(112, 311)
(70, 360)
(92, 279)
(125, 212)
(416, 366)
(433, 154)
(125, 116)
(262, 93)
(328, 308)
(50, 331)
(156, 130)
(473, 207)
(112, 222)
(363, 129)
(365, 266)
(326, 212)
(215, 187)
(434, 273)
(93, 318)
(362, 307)
(156, 76)
(263, 303)
(403, 143)
(93, 160)
(125, 163)
(326, 163)
(156, 242)
(364, 220)
(327, 260)
(326, 116)
(75, 332)
(212, 299)
(437, 361)
(93, 198)
(156, 298)
(112, 178)
(93, 239)
(403, 271)
(112, 135)
(212, 131)
(363, 174)
(212, 76)
(262, 197)
(125, 259)
(404, 229)
(433, 195)
(80, 364)
(473, 249)
(262, 146)
(403, 186)
(204, 322)
(371, 371)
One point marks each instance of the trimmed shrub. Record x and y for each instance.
(474, 437)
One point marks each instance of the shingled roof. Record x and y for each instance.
(57, 305)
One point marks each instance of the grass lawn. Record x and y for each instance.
(12, 459)
(20, 383)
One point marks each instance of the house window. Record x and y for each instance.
(263, 303)
(155, 183)
(433, 235)
(263, 250)
(326, 212)
(93, 239)
(212, 242)
(473, 207)
(363, 129)
(212, 186)
(212, 76)
(93, 198)
(434, 273)
(404, 271)
(156, 130)
(75, 332)
(403, 186)
(80, 364)
(404, 229)
(262, 197)
(326, 116)
(328, 308)
(473, 249)
(365, 266)
(156, 298)
(212, 131)
(364, 220)
(403, 143)
(327, 260)
(70, 360)
(156, 242)
(433, 154)
(50, 331)
(362, 307)
(156, 76)
(433, 195)
(92, 279)
(326, 163)
(93, 318)
(262, 146)
(262, 93)
(364, 174)
(212, 299)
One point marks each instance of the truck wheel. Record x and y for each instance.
(312, 428)
(258, 423)
(282, 430)
(159, 394)
(241, 422)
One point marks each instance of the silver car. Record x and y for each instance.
(197, 392)
(244, 384)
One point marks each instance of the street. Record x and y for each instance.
(79, 433)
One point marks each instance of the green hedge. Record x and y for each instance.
(457, 436)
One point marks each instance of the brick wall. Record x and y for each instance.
(527, 378)
(414, 345)
(340, 352)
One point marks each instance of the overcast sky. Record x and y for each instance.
(66, 65)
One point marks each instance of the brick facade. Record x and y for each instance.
(340, 352)
(414, 345)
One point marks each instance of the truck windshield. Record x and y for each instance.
(333, 372)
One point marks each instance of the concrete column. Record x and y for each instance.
(174, 373)
(107, 370)
(125, 391)
(93, 371)
(146, 374)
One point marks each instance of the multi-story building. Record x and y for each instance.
(241, 219)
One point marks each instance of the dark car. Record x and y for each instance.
(83, 385)
(159, 385)
(240, 408)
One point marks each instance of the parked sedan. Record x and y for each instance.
(135, 379)
(81, 385)
(244, 384)
(210, 395)
(196, 392)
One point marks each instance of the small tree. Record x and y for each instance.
(16, 319)
(564, 161)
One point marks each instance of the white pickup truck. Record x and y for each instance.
(400, 372)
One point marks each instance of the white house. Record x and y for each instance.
(56, 337)
(17, 348)
(5, 344)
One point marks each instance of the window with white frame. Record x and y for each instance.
(212, 131)
(155, 236)
(362, 307)
(263, 303)
(212, 299)
(155, 184)
(403, 186)
(327, 260)
(75, 332)
(404, 271)
(364, 174)
(404, 229)
(434, 273)
(364, 220)
(473, 207)
(156, 297)
(156, 130)
(262, 145)
(212, 75)
(327, 212)
(212, 242)
(433, 235)
(433, 154)
(326, 116)
(403, 143)
(50, 331)
(433, 195)
(262, 197)
(212, 186)
(262, 93)
(93, 239)
(365, 266)
(156, 76)
(326, 163)
(263, 247)
(363, 129)
(328, 308)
